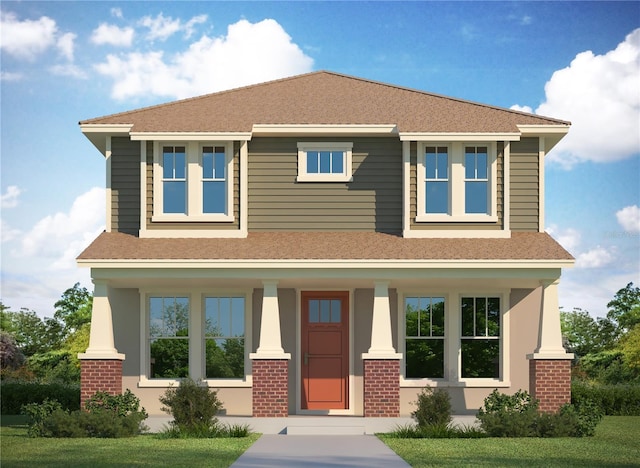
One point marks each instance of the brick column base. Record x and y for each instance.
(381, 388)
(270, 388)
(550, 383)
(99, 375)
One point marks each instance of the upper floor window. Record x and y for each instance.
(193, 182)
(456, 183)
(324, 162)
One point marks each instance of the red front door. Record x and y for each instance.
(325, 350)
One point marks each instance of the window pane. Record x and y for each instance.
(181, 163)
(469, 165)
(174, 197)
(424, 358)
(312, 162)
(207, 162)
(481, 316)
(425, 317)
(475, 194)
(169, 358)
(225, 316)
(431, 162)
(337, 158)
(325, 312)
(167, 162)
(467, 316)
(493, 316)
(214, 197)
(237, 316)
(224, 358)
(437, 197)
(314, 311)
(212, 317)
(325, 162)
(482, 163)
(437, 316)
(220, 163)
(443, 163)
(336, 313)
(412, 313)
(480, 358)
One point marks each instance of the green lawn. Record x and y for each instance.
(616, 444)
(18, 450)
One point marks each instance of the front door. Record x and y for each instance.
(325, 350)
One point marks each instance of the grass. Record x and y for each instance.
(615, 444)
(18, 450)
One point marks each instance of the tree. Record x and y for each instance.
(32, 334)
(74, 308)
(580, 332)
(624, 309)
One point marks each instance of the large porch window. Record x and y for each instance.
(424, 337)
(480, 341)
(168, 337)
(224, 337)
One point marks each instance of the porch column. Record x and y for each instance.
(270, 363)
(381, 362)
(101, 364)
(550, 364)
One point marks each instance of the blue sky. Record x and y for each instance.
(67, 61)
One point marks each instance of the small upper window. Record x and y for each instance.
(324, 162)
(174, 179)
(476, 180)
(437, 179)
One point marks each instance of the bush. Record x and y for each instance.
(106, 416)
(613, 400)
(517, 416)
(434, 408)
(194, 408)
(437, 431)
(16, 394)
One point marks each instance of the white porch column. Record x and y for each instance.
(101, 343)
(550, 333)
(270, 346)
(381, 334)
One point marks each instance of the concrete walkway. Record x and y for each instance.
(289, 451)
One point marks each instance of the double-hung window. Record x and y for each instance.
(456, 183)
(424, 337)
(481, 335)
(224, 336)
(193, 182)
(168, 337)
(324, 162)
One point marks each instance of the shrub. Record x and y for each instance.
(584, 417)
(434, 408)
(16, 394)
(193, 407)
(105, 416)
(613, 400)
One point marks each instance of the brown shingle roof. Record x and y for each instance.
(325, 246)
(324, 98)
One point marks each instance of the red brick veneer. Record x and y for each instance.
(381, 388)
(270, 388)
(103, 375)
(550, 383)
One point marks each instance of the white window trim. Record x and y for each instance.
(304, 176)
(457, 184)
(453, 334)
(194, 183)
(196, 337)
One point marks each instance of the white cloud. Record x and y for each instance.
(26, 39)
(255, 52)
(7, 233)
(629, 219)
(112, 35)
(520, 108)
(162, 28)
(10, 76)
(65, 45)
(62, 236)
(9, 199)
(116, 13)
(595, 258)
(68, 70)
(568, 238)
(599, 95)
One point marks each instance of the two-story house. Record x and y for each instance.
(324, 244)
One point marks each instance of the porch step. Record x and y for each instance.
(320, 429)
